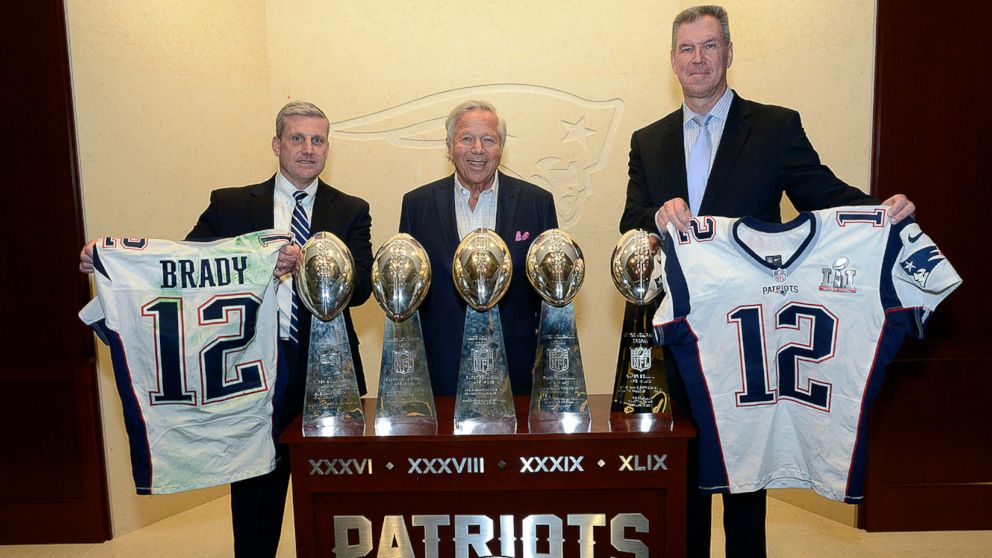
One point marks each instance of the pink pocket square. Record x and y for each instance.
(522, 235)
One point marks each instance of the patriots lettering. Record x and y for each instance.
(780, 289)
(477, 535)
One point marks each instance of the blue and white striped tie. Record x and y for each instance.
(301, 232)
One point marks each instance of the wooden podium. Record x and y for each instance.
(600, 493)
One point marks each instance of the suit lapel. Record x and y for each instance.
(444, 201)
(260, 209)
(735, 133)
(673, 151)
(506, 207)
(323, 217)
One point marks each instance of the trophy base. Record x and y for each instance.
(488, 425)
(559, 423)
(405, 426)
(335, 426)
(641, 422)
(332, 405)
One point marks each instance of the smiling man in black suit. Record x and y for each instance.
(719, 154)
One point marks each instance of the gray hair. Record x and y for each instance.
(297, 108)
(692, 14)
(467, 107)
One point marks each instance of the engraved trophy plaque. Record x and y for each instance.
(401, 276)
(641, 401)
(482, 270)
(332, 405)
(558, 401)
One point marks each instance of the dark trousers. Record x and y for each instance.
(743, 522)
(257, 504)
(743, 514)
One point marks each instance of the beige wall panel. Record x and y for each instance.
(219, 40)
(153, 146)
(171, 102)
(177, 98)
(818, 58)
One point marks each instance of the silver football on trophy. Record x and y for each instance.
(401, 276)
(636, 266)
(555, 267)
(482, 269)
(327, 279)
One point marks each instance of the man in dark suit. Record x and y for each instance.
(300, 143)
(720, 154)
(441, 213)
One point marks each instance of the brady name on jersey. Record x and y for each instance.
(205, 272)
(782, 332)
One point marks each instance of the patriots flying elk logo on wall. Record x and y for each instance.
(555, 139)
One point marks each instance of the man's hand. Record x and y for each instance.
(86, 257)
(899, 208)
(289, 260)
(676, 212)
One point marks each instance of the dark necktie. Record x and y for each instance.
(301, 232)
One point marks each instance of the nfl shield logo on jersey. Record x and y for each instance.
(779, 275)
(558, 359)
(640, 358)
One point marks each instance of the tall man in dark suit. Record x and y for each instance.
(441, 213)
(720, 154)
(300, 143)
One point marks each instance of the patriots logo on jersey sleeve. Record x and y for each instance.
(921, 263)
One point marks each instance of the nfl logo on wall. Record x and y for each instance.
(483, 360)
(640, 358)
(558, 359)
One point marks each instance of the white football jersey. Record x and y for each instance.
(781, 334)
(192, 329)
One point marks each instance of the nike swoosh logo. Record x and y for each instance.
(915, 238)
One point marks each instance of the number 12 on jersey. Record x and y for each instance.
(757, 384)
(238, 312)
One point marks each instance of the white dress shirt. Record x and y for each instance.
(484, 214)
